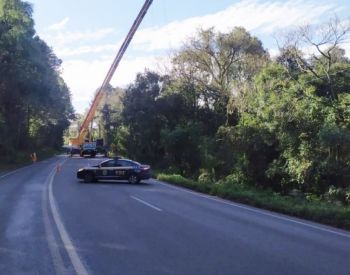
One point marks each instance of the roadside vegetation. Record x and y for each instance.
(35, 104)
(23, 158)
(273, 132)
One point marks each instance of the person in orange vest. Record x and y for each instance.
(33, 157)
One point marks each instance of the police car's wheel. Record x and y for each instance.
(89, 177)
(133, 179)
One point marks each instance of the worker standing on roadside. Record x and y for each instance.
(33, 157)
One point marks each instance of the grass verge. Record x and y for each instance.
(318, 211)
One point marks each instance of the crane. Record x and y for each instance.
(84, 128)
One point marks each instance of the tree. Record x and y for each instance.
(211, 66)
(35, 103)
(227, 110)
(325, 40)
(290, 137)
(141, 116)
(109, 114)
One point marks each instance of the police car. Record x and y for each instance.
(115, 169)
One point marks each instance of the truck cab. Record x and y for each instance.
(89, 149)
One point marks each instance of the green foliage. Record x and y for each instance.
(35, 105)
(227, 113)
(212, 64)
(338, 195)
(120, 143)
(142, 118)
(181, 147)
(289, 136)
(17, 159)
(109, 120)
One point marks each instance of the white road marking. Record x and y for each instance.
(22, 168)
(146, 203)
(12, 172)
(68, 245)
(251, 209)
(50, 237)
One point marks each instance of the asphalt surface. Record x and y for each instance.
(52, 223)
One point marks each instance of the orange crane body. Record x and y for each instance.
(80, 139)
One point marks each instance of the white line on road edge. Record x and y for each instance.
(146, 203)
(50, 237)
(68, 245)
(251, 209)
(19, 169)
(12, 172)
(8, 174)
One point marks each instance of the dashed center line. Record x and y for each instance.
(146, 203)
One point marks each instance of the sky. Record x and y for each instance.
(86, 34)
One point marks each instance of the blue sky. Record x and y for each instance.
(86, 34)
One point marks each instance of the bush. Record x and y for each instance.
(338, 195)
(206, 176)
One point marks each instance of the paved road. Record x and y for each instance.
(54, 224)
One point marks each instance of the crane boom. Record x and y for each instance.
(91, 113)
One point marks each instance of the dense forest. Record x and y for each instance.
(227, 109)
(35, 103)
